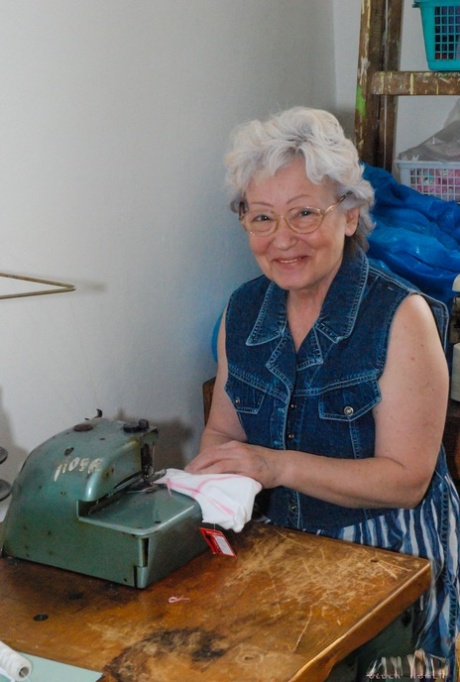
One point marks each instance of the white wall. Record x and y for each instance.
(114, 119)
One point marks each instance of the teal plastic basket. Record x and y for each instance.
(441, 32)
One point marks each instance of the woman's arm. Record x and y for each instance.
(409, 425)
(223, 424)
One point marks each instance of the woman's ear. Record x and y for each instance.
(351, 217)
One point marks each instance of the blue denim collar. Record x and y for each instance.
(338, 313)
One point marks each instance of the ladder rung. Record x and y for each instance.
(415, 83)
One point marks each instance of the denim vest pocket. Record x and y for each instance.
(246, 398)
(348, 402)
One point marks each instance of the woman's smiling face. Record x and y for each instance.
(299, 263)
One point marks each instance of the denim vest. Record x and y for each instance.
(320, 399)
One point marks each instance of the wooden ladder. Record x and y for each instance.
(380, 82)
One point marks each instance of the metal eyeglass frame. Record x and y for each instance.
(321, 212)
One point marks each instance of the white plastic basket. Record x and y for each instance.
(436, 178)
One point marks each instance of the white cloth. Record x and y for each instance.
(13, 665)
(225, 499)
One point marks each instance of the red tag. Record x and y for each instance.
(217, 541)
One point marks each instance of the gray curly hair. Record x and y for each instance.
(262, 147)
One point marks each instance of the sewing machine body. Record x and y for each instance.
(84, 501)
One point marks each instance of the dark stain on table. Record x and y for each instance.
(199, 645)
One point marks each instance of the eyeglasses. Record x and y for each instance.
(302, 219)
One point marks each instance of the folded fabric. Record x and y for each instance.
(226, 500)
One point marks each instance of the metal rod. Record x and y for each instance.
(60, 287)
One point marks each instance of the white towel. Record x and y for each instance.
(225, 499)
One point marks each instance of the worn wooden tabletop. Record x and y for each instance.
(287, 608)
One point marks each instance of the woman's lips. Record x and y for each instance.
(289, 261)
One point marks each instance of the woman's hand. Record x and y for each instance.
(235, 457)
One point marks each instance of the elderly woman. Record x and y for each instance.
(332, 383)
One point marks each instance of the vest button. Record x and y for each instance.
(348, 411)
(293, 508)
(291, 436)
(237, 401)
(292, 406)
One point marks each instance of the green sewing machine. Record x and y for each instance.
(86, 501)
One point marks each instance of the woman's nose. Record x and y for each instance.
(284, 236)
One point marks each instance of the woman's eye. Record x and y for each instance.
(261, 218)
(304, 212)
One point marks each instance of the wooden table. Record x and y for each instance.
(288, 607)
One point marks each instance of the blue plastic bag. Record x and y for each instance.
(416, 236)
